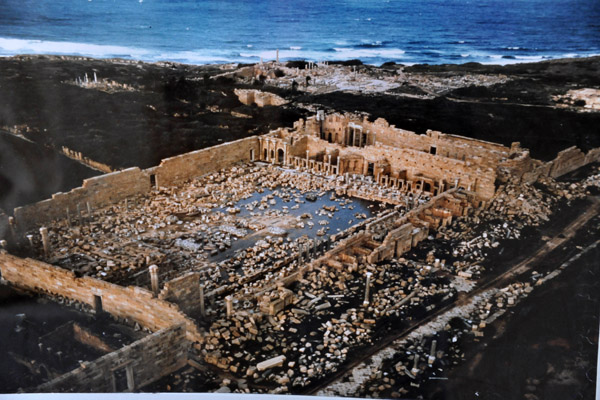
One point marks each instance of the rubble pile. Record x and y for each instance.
(192, 226)
(429, 355)
(326, 318)
(319, 78)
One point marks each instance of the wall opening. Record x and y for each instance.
(98, 304)
(329, 139)
(280, 156)
(122, 379)
(152, 180)
(432, 150)
(265, 155)
(426, 187)
(272, 154)
(370, 169)
(251, 154)
(364, 139)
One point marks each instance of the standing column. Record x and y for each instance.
(12, 224)
(45, 241)
(329, 164)
(277, 56)
(307, 159)
(30, 238)
(431, 358)
(202, 309)
(229, 305)
(153, 269)
(366, 301)
(268, 150)
(415, 368)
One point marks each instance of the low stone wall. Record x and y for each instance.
(571, 159)
(137, 364)
(183, 291)
(134, 303)
(97, 191)
(176, 170)
(78, 156)
(566, 161)
(261, 99)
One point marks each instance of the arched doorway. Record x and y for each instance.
(280, 156)
(265, 155)
(272, 155)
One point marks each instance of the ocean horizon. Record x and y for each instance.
(234, 31)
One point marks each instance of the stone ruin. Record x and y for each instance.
(137, 244)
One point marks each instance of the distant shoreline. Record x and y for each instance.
(350, 62)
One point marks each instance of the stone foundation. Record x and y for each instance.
(129, 368)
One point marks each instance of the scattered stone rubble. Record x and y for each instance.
(586, 100)
(319, 78)
(289, 293)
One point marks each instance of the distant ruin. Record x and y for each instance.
(149, 237)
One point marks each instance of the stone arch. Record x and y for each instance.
(280, 156)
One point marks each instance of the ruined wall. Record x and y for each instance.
(148, 359)
(183, 291)
(78, 156)
(261, 99)
(99, 191)
(415, 163)
(571, 159)
(593, 156)
(176, 170)
(566, 161)
(452, 146)
(133, 303)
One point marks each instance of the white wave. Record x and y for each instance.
(24, 46)
(194, 57)
(349, 53)
(295, 48)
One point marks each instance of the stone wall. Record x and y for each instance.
(134, 303)
(566, 161)
(183, 291)
(380, 131)
(139, 363)
(176, 170)
(78, 156)
(261, 99)
(98, 191)
(571, 159)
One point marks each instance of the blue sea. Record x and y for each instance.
(374, 31)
